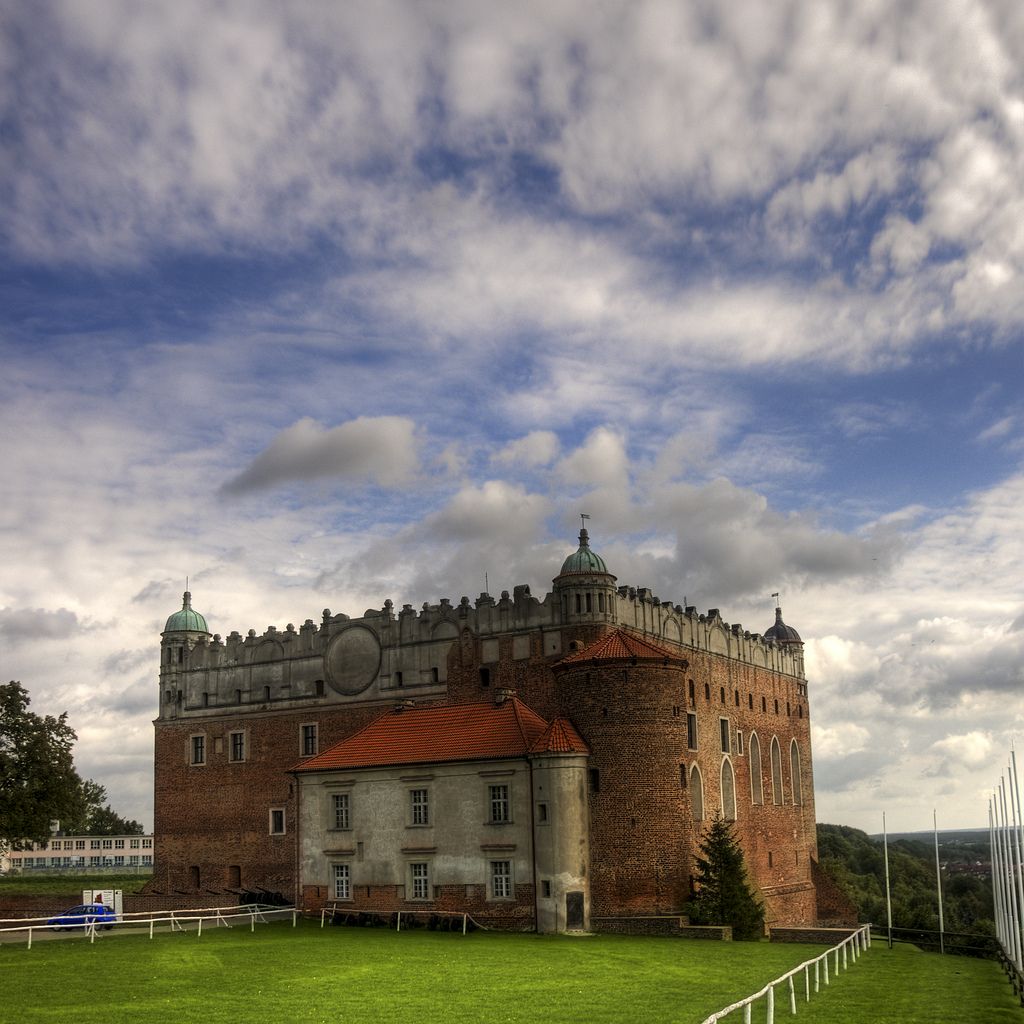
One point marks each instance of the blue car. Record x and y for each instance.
(84, 915)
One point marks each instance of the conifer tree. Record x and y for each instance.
(724, 896)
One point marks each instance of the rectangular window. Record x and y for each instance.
(691, 730)
(545, 888)
(133, 844)
(542, 814)
(95, 861)
(108, 844)
(739, 742)
(199, 749)
(147, 844)
(147, 859)
(500, 811)
(94, 844)
(308, 739)
(79, 844)
(342, 882)
(237, 746)
(501, 879)
(420, 881)
(118, 844)
(119, 861)
(341, 808)
(277, 821)
(133, 860)
(723, 727)
(594, 775)
(420, 807)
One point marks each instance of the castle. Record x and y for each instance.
(543, 764)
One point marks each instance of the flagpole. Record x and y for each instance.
(938, 881)
(1011, 888)
(1014, 796)
(997, 895)
(888, 894)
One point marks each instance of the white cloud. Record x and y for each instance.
(600, 462)
(840, 740)
(538, 448)
(972, 749)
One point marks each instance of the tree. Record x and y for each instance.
(38, 781)
(724, 896)
(98, 818)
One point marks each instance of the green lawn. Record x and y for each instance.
(67, 885)
(280, 974)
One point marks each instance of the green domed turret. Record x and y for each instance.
(584, 560)
(584, 587)
(186, 620)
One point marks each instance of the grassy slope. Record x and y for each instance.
(356, 975)
(905, 986)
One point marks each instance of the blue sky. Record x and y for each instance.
(342, 303)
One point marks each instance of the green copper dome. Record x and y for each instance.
(187, 619)
(584, 560)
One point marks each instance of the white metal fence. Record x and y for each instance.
(848, 950)
(176, 920)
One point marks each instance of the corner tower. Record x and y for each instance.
(585, 588)
(787, 638)
(184, 629)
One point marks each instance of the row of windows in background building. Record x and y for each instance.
(692, 778)
(117, 861)
(142, 843)
(237, 745)
(499, 881)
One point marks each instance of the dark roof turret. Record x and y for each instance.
(781, 633)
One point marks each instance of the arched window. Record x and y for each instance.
(794, 770)
(777, 794)
(697, 794)
(728, 791)
(756, 781)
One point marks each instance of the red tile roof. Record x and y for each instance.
(621, 645)
(452, 732)
(560, 737)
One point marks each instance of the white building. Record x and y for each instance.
(63, 853)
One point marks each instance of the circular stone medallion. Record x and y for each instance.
(352, 660)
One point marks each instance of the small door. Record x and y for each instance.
(574, 911)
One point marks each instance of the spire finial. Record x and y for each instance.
(584, 536)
